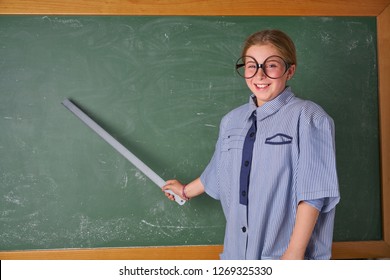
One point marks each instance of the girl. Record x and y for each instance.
(274, 167)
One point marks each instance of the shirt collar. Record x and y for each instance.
(270, 107)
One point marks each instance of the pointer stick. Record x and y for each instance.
(119, 147)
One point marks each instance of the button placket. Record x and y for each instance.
(246, 162)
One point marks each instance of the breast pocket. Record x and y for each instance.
(279, 150)
(279, 139)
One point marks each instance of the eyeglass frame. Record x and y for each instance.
(258, 66)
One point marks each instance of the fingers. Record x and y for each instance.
(169, 184)
(169, 196)
(173, 185)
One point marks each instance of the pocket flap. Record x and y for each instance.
(279, 139)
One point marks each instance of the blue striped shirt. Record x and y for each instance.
(293, 160)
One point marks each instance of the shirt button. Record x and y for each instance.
(246, 163)
(252, 134)
(243, 229)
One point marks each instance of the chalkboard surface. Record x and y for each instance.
(160, 85)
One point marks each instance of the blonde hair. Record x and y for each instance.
(280, 40)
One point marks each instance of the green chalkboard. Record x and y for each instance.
(160, 85)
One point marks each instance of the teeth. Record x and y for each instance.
(261, 86)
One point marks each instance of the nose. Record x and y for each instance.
(260, 73)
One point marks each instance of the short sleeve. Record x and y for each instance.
(316, 203)
(209, 177)
(317, 174)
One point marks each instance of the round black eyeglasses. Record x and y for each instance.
(273, 67)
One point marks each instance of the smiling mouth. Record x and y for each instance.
(261, 86)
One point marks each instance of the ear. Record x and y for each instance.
(291, 71)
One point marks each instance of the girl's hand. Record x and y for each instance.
(175, 186)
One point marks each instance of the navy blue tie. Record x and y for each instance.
(246, 162)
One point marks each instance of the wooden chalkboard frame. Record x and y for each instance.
(378, 8)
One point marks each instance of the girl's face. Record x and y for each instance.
(265, 89)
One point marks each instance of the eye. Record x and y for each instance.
(250, 66)
(273, 64)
